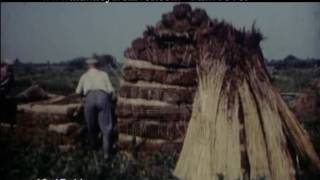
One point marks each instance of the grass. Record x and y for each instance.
(36, 158)
(61, 82)
(294, 79)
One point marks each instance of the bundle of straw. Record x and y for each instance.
(240, 127)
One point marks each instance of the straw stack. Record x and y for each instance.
(159, 79)
(240, 127)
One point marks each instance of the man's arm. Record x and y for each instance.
(79, 89)
(108, 83)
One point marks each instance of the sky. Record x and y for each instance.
(41, 32)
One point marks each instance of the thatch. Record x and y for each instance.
(168, 76)
(65, 128)
(240, 127)
(33, 93)
(48, 108)
(228, 107)
(147, 109)
(148, 145)
(162, 93)
(152, 129)
(143, 65)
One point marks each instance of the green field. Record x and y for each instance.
(62, 81)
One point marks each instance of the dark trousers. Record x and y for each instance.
(97, 111)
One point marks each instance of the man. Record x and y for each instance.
(6, 77)
(8, 104)
(95, 85)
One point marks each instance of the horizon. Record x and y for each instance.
(67, 60)
(58, 33)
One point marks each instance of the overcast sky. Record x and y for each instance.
(40, 32)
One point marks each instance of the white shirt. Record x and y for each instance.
(94, 79)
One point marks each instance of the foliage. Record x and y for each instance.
(293, 62)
